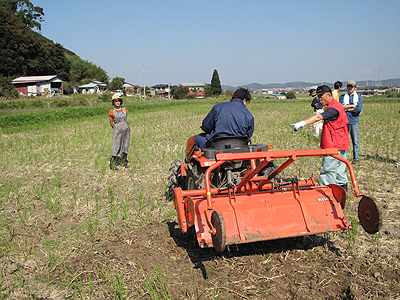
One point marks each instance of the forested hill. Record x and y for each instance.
(24, 52)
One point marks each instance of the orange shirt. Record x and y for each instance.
(111, 112)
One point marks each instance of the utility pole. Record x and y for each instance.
(169, 88)
(380, 83)
(374, 82)
(144, 86)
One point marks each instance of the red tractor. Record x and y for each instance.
(231, 193)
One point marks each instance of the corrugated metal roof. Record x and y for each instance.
(99, 83)
(88, 85)
(26, 79)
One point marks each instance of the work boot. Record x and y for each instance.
(125, 159)
(113, 163)
(344, 186)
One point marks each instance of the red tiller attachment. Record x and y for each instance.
(258, 210)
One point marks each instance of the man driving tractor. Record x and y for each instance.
(227, 119)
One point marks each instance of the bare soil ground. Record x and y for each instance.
(301, 268)
(157, 261)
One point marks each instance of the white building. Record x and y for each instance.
(93, 87)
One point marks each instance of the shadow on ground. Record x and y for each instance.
(199, 255)
(381, 159)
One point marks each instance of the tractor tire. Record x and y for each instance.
(219, 239)
(174, 177)
(195, 176)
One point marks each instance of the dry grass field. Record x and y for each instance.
(71, 228)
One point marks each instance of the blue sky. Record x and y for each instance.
(246, 41)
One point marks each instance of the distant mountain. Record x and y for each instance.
(385, 82)
(259, 86)
(306, 85)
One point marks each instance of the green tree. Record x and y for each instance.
(148, 91)
(17, 45)
(62, 65)
(116, 83)
(179, 92)
(216, 84)
(24, 52)
(7, 88)
(23, 9)
(208, 90)
(289, 95)
(173, 90)
(82, 70)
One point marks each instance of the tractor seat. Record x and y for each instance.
(229, 142)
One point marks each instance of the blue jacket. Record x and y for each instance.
(316, 104)
(229, 118)
(353, 116)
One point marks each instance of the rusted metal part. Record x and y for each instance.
(369, 215)
(277, 171)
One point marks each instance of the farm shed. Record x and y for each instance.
(38, 85)
(93, 87)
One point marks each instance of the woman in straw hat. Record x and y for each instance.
(121, 133)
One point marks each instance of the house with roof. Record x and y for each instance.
(129, 88)
(198, 89)
(161, 90)
(93, 87)
(38, 85)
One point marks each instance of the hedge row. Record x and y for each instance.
(57, 115)
(24, 119)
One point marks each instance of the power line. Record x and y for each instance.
(164, 73)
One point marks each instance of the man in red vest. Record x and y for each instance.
(334, 135)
